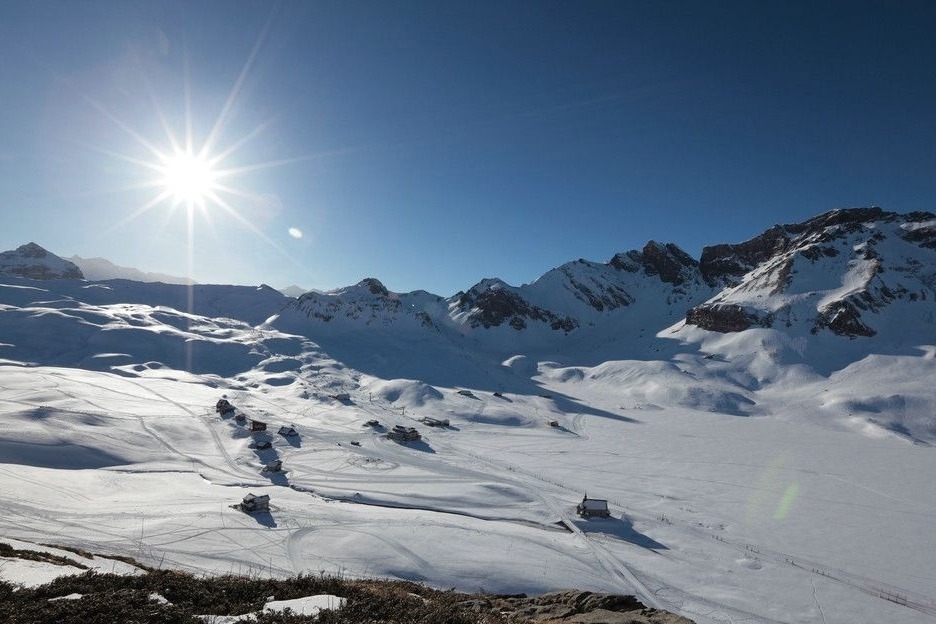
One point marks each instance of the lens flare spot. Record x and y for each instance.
(295, 232)
(786, 502)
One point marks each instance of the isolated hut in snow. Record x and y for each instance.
(253, 503)
(593, 508)
(403, 434)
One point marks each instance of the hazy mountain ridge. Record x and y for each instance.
(103, 269)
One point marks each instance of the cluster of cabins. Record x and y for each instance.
(253, 503)
(588, 508)
(223, 407)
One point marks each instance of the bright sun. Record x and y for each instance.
(189, 178)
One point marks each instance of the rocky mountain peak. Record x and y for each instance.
(666, 261)
(725, 264)
(491, 303)
(31, 250)
(374, 286)
(833, 272)
(34, 262)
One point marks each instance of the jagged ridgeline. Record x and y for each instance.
(841, 272)
(852, 272)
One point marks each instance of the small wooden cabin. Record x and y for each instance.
(253, 503)
(403, 434)
(223, 406)
(593, 508)
(257, 425)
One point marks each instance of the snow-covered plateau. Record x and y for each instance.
(761, 422)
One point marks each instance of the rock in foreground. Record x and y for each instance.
(574, 607)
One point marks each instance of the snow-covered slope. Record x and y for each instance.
(772, 474)
(838, 272)
(833, 290)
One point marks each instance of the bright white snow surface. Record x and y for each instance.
(30, 573)
(743, 484)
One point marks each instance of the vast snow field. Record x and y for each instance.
(745, 485)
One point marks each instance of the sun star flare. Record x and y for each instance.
(187, 177)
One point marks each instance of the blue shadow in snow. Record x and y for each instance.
(417, 445)
(294, 441)
(264, 518)
(277, 478)
(620, 528)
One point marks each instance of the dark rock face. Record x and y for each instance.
(668, 261)
(770, 262)
(374, 286)
(493, 306)
(724, 265)
(924, 236)
(726, 318)
(843, 319)
(573, 607)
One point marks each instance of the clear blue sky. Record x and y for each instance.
(431, 144)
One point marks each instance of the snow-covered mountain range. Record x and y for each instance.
(852, 273)
(761, 421)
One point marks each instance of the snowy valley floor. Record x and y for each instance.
(718, 517)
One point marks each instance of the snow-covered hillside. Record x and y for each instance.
(775, 473)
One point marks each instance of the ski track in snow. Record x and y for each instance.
(656, 594)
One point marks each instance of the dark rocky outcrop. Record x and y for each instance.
(374, 285)
(843, 319)
(924, 235)
(726, 318)
(667, 261)
(725, 265)
(779, 269)
(493, 305)
(572, 607)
